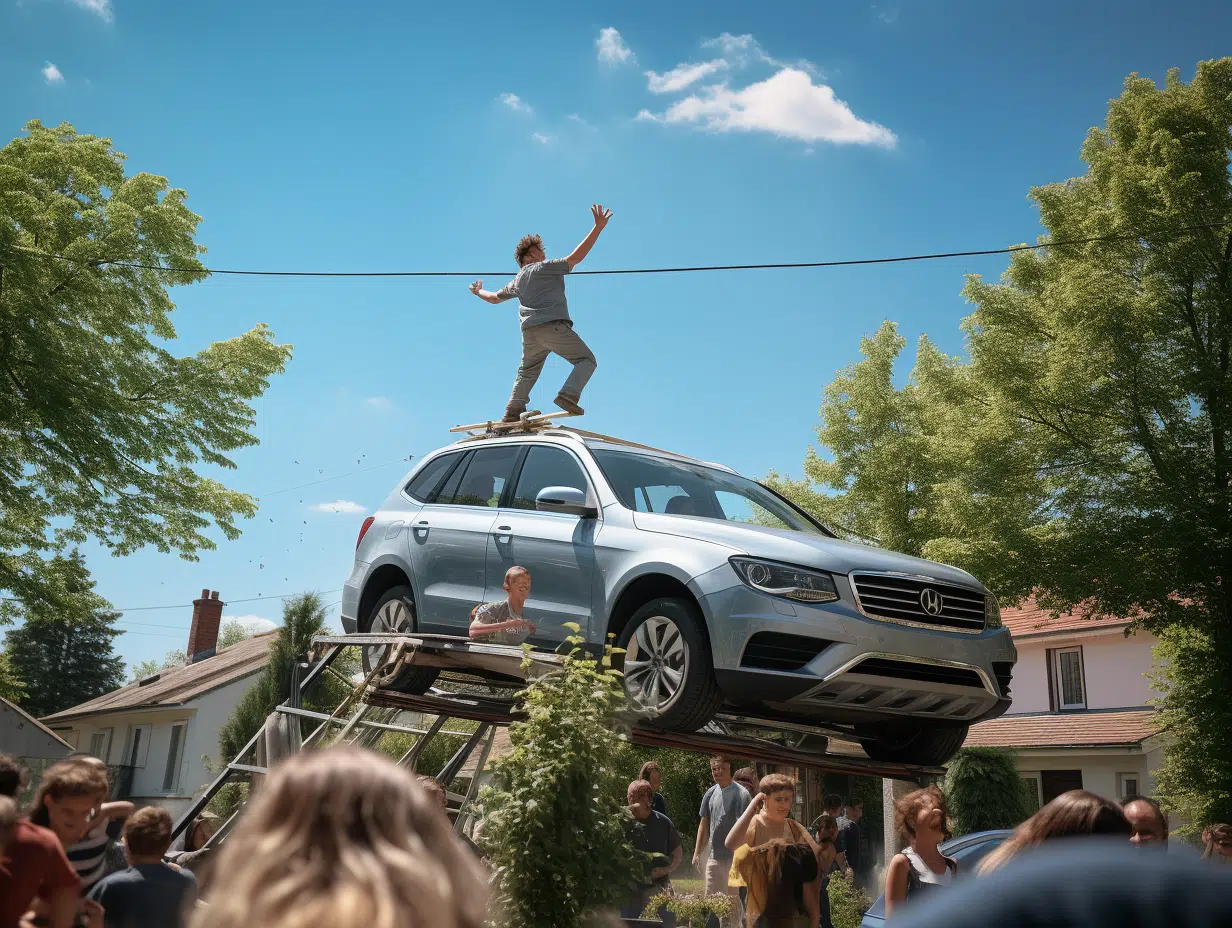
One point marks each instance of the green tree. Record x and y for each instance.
(104, 429)
(64, 655)
(984, 790)
(303, 618)
(1085, 451)
(148, 668)
(12, 687)
(234, 631)
(560, 792)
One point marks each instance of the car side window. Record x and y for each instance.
(486, 474)
(546, 467)
(429, 477)
(450, 489)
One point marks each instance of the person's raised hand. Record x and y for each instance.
(759, 800)
(476, 287)
(601, 215)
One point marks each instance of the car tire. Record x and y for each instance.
(663, 640)
(395, 612)
(913, 742)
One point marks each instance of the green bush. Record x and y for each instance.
(691, 910)
(984, 790)
(554, 818)
(848, 903)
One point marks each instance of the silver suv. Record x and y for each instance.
(721, 591)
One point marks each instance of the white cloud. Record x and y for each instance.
(255, 624)
(742, 50)
(787, 104)
(541, 138)
(52, 74)
(612, 48)
(380, 402)
(340, 505)
(100, 8)
(514, 102)
(683, 75)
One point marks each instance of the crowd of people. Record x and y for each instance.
(345, 837)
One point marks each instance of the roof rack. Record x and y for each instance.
(550, 428)
(370, 711)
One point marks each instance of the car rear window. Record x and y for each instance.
(429, 477)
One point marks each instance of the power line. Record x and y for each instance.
(328, 479)
(900, 259)
(227, 602)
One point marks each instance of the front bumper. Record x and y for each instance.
(832, 662)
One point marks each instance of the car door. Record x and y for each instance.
(449, 539)
(557, 549)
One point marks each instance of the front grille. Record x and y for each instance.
(900, 599)
(1004, 672)
(927, 673)
(777, 651)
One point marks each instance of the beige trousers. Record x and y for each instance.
(537, 343)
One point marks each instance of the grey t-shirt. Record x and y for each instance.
(723, 807)
(146, 896)
(495, 614)
(540, 291)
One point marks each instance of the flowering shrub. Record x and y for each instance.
(691, 909)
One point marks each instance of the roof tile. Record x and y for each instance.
(1064, 729)
(177, 685)
(1030, 619)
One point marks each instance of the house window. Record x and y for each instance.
(175, 752)
(1055, 782)
(100, 744)
(138, 746)
(1127, 786)
(1069, 689)
(1031, 782)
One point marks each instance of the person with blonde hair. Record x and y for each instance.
(343, 838)
(1217, 843)
(1073, 814)
(922, 821)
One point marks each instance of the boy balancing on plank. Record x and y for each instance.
(546, 326)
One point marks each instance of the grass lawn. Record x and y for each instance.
(688, 886)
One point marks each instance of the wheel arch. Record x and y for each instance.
(379, 582)
(642, 589)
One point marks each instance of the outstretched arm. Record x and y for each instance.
(486, 295)
(601, 218)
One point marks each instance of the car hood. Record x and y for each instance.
(801, 548)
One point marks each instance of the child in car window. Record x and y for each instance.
(502, 623)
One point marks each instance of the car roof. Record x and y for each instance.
(593, 440)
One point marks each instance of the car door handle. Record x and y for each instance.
(503, 531)
(421, 526)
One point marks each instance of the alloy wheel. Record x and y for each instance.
(656, 664)
(394, 617)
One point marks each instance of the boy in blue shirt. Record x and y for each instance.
(150, 893)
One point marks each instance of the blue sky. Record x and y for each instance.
(382, 136)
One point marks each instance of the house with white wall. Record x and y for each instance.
(1080, 716)
(163, 727)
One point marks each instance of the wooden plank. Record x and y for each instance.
(524, 424)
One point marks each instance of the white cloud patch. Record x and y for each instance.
(541, 138)
(612, 48)
(52, 75)
(100, 8)
(380, 402)
(253, 624)
(341, 505)
(683, 75)
(788, 104)
(514, 102)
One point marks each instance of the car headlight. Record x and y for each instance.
(798, 583)
(992, 611)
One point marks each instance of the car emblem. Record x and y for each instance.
(931, 601)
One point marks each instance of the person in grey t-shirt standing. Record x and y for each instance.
(721, 808)
(546, 326)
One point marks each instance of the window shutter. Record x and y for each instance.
(1050, 656)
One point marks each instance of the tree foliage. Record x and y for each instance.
(554, 818)
(1084, 452)
(984, 790)
(147, 668)
(685, 777)
(103, 430)
(303, 617)
(234, 631)
(64, 655)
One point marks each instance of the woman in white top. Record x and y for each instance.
(922, 822)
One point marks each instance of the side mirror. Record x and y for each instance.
(567, 500)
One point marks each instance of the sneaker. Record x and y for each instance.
(569, 404)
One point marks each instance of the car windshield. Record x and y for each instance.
(651, 484)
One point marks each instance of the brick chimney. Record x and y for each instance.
(203, 635)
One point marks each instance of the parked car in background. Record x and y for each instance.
(968, 850)
(721, 591)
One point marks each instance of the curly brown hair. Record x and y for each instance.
(67, 779)
(525, 244)
(907, 811)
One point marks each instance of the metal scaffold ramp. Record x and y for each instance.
(479, 683)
